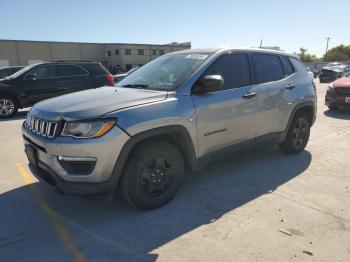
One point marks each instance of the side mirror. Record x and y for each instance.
(31, 77)
(209, 83)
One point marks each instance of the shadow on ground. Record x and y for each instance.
(343, 114)
(120, 233)
(20, 115)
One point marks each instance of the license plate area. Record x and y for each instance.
(32, 154)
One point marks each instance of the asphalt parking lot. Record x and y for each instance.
(259, 205)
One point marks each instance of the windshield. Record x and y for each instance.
(132, 70)
(166, 72)
(20, 72)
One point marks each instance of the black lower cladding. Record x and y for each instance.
(45, 174)
(31, 154)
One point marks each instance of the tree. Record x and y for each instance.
(338, 53)
(306, 57)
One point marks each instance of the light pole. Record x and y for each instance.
(327, 38)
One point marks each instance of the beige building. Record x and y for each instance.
(112, 55)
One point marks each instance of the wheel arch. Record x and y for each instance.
(175, 134)
(14, 97)
(307, 107)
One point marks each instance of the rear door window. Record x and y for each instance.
(234, 68)
(267, 68)
(71, 70)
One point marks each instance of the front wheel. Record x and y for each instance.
(153, 175)
(297, 136)
(8, 107)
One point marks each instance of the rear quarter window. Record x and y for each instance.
(267, 68)
(287, 66)
(298, 65)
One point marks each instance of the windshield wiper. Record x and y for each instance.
(140, 86)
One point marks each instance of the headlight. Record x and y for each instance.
(88, 128)
(330, 87)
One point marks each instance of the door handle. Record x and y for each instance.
(290, 87)
(249, 95)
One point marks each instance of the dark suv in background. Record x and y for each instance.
(46, 80)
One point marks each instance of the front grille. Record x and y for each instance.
(343, 91)
(40, 126)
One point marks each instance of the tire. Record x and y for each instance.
(8, 107)
(297, 136)
(153, 175)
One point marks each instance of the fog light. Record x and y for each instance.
(77, 165)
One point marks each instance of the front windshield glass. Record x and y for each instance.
(166, 72)
(20, 72)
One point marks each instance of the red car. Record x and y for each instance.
(338, 93)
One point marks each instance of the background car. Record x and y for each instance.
(46, 80)
(7, 71)
(120, 77)
(338, 93)
(329, 74)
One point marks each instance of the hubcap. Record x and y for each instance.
(6, 107)
(157, 177)
(299, 132)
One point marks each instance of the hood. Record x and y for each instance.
(343, 82)
(330, 69)
(94, 103)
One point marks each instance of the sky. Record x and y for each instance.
(207, 23)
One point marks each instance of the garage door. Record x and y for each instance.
(4, 63)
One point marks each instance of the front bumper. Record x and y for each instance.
(49, 169)
(336, 100)
(45, 174)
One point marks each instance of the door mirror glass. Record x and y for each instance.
(31, 77)
(210, 83)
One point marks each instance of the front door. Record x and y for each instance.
(40, 83)
(227, 116)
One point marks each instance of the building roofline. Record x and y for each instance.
(94, 43)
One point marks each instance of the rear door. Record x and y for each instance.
(227, 116)
(273, 81)
(98, 75)
(43, 86)
(72, 78)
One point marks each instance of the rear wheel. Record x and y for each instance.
(8, 107)
(297, 135)
(153, 175)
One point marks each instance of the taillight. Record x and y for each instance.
(110, 79)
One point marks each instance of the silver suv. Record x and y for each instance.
(171, 116)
